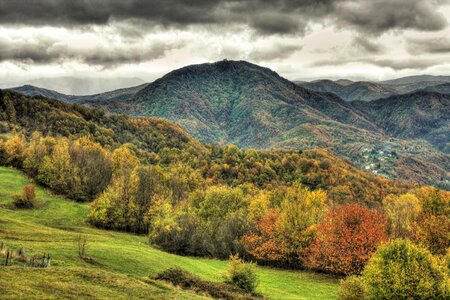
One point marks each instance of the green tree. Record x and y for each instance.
(402, 270)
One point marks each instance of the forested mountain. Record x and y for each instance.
(120, 94)
(418, 115)
(417, 79)
(369, 91)
(84, 85)
(443, 88)
(31, 90)
(25, 115)
(158, 141)
(360, 90)
(283, 208)
(236, 102)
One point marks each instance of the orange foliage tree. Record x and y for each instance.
(266, 245)
(346, 239)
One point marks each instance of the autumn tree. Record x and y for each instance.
(433, 200)
(264, 243)
(347, 238)
(282, 235)
(209, 223)
(12, 152)
(93, 168)
(148, 188)
(38, 148)
(432, 227)
(113, 208)
(57, 170)
(401, 211)
(300, 211)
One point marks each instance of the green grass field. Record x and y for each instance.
(123, 261)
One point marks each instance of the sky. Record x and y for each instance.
(300, 39)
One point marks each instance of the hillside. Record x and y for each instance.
(443, 88)
(32, 91)
(235, 102)
(56, 118)
(360, 90)
(418, 115)
(84, 85)
(253, 107)
(417, 79)
(114, 95)
(123, 261)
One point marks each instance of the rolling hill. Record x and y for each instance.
(253, 107)
(52, 117)
(82, 85)
(123, 261)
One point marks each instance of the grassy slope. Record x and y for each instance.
(124, 261)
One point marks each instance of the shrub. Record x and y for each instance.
(29, 193)
(241, 274)
(351, 288)
(27, 199)
(402, 270)
(217, 290)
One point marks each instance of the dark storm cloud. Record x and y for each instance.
(43, 50)
(265, 16)
(429, 45)
(377, 16)
(367, 45)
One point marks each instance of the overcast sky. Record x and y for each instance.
(300, 39)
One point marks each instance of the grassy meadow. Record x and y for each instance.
(122, 262)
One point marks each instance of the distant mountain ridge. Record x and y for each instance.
(369, 90)
(253, 107)
(120, 94)
(80, 86)
(351, 91)
(417, 79)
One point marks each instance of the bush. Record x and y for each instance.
(402, 270)
(352, 288)
(27, 199)
(241, 274)
(217, 290)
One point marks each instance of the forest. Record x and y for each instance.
(281, 208)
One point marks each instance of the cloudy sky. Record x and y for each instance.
(300, 39)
